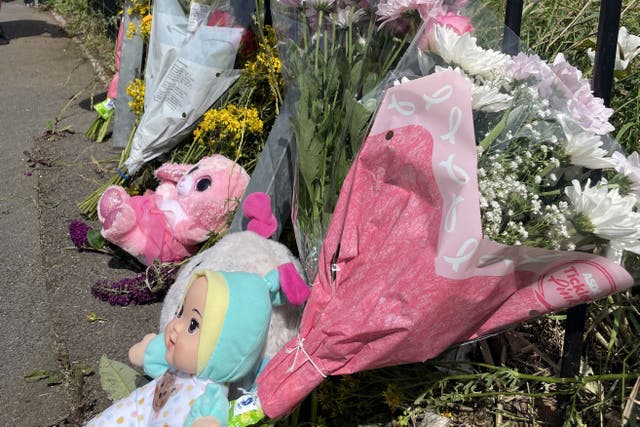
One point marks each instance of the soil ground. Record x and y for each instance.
(48, 166)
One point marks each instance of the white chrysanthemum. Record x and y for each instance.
(584, 148)
(628, 49)
(486, 97)
(610, 214)
(463, 50)
(629, 167)
(346, 17)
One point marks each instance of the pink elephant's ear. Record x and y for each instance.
(172, 171)
(257, 208)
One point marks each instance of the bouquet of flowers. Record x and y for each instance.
(334, 57)
(485, 194)
(549, 175)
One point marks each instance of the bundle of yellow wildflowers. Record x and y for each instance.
(135, 91)
(224, 131)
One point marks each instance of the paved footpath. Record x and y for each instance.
(44, 282)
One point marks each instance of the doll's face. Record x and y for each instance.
(182, 334)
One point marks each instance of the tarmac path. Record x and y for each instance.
(44, 281)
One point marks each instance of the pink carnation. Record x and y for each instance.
(589, 111)
(569, 76)
(459, 23)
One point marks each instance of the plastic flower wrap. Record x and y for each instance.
(238, 125)
(190, 66)
(334, 56)
(484, 195)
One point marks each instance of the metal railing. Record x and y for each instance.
(603, 69)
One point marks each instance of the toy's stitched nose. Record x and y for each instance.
(184, 185)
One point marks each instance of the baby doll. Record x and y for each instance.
(250, 251)
(215, 337)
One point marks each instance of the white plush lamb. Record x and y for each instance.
(250, 251)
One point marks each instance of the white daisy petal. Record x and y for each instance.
(611, 214)
(585, 148)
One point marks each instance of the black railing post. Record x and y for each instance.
(512, 22)
(603, 69)
(606, 49)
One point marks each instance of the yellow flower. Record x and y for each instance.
(145, 26)
(263, 73)
(447, 414)
(139, 8)
(225, 131)
(131, 31)
(393, 396)
(135, 90)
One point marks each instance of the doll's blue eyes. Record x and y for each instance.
(193, 326)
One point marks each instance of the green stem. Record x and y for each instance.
(495, 132)
(317, 55)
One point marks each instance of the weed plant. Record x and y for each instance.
(92, 24)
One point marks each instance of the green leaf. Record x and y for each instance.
(80, 371)
(95, 239)
(624, 129)
(117, 379)
(359, 118)
(37, 375)
(55, 377)
(103, 130)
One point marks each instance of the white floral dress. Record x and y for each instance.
(137, 409)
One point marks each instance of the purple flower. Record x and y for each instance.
(78, 233)
(147, 287)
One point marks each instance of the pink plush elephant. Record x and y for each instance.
(190, 202)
